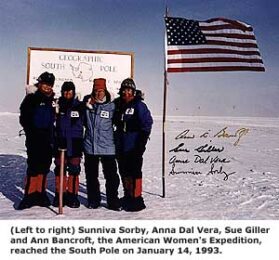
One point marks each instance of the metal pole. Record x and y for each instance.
(164, 114)
(164, 136)
(61, 175)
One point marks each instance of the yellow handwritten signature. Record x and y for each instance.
(238, 134)
(223, 133)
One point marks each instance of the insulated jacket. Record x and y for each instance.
(98, 138)
(133, 122)
(37, 116)
(69, 126)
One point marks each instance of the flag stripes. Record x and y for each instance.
(217, 44)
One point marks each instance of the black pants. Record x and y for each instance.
(130, 169)
(39, 159)
(39, 154)
(92, 174)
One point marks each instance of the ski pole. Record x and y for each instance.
(62, 162)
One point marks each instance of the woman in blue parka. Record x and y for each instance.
(99, 146)
(37, 115)
(69, 135)
(133, 123)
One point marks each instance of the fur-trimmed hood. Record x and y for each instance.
(31, 89)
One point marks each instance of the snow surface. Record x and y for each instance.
(250, 192)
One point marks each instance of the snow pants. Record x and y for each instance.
(130, 169)
(72, 167)
(39, 159)
(110, 173)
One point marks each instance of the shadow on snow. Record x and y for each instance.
(12, 176)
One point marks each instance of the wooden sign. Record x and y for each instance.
(81, 67)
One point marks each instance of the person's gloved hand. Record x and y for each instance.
(62, 143)
(143, 138)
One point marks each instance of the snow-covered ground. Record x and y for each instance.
(216, 168)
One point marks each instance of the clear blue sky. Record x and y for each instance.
(133, 25)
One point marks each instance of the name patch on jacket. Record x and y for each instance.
(74, 114)
(130, 111)
(104, 114)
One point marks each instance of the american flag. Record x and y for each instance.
(218, 44)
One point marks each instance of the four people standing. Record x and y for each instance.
(127, 115)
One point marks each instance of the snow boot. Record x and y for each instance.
(93, 204)
(125, 202)
(114, 204)
(132, 200)
(72, 200)
(55, 202)
(135, 204)
(31, 197)
(28, 201)
(43, 200)
(73, 185)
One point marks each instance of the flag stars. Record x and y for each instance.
(181, 31)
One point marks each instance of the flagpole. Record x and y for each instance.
(164, 134)
(164, 116)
